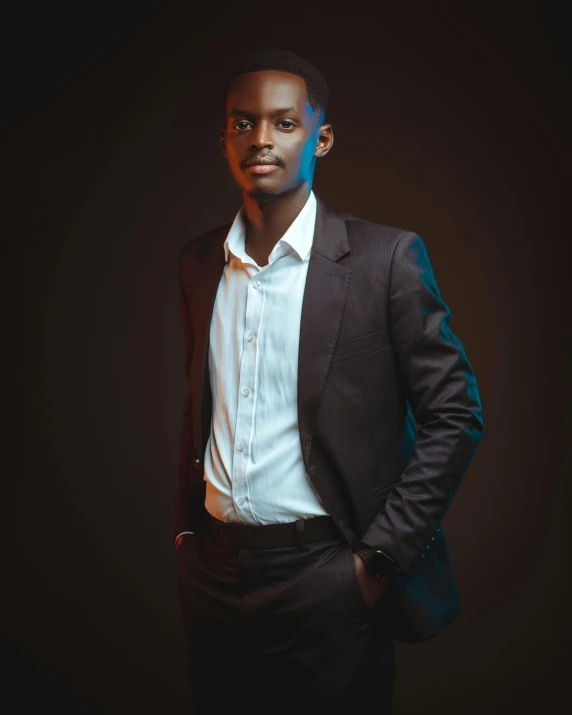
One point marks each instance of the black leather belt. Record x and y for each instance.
(274, 536)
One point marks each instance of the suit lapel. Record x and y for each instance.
(325, 294)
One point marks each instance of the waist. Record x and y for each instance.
(274, 536)
(282, 474)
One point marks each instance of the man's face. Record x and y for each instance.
(268, 116)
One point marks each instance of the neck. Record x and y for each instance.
(268, 222)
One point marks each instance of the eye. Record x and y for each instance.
(287, 122)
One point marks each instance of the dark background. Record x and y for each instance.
(449, 119)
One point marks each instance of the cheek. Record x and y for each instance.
(303, 155)
(308, 152)
(232, 153)
(233, 161)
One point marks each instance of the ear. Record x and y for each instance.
(223, 142)
(325, 140)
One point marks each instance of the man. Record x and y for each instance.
(308, 509)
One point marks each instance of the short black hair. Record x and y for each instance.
(285, 61)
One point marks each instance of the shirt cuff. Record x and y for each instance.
(182, 532)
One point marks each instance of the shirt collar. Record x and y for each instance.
(299, 236)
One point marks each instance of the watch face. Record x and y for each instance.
(379, 564)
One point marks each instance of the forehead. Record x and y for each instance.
(263, 91)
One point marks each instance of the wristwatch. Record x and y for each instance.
(378, 564)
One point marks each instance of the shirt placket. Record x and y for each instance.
(246, 396)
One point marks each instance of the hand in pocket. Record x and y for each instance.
(371, 588)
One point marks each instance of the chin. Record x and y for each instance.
(264, 196)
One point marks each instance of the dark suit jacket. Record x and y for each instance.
(376, 355)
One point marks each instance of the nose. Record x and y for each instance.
(261, 136)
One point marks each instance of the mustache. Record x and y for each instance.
(266, 157)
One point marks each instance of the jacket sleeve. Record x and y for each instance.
(186, 495)
(441, 389)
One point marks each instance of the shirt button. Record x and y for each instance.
(250, 337)
(255, 284)
(246, 392)
(241, 447)
(240, 501)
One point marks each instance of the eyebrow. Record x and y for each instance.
(245, 113)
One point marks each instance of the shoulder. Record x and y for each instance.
(196, 246)
(364, 230)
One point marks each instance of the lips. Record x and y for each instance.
(262, 168)
(260, 161)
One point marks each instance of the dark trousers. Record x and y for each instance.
(279, 630)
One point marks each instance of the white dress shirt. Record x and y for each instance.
(253, 467)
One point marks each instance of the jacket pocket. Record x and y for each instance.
(360, 346)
